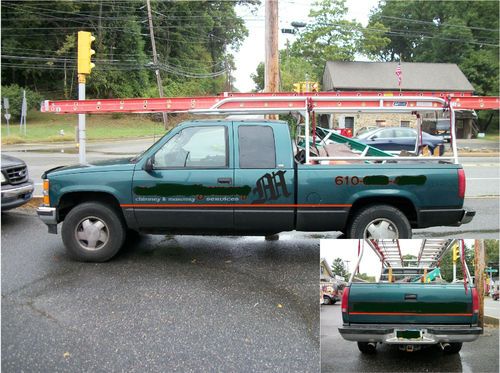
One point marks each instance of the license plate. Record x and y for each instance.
(409, 334)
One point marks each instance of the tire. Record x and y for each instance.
(93, 232)
(379, 221)
(454, 348)
(367, 348)
(326, 300)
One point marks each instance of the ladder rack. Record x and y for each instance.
(430, 253)
(305, 104)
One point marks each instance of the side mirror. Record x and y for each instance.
(148, 166)
(374, 137)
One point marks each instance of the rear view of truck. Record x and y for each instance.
(411, 306)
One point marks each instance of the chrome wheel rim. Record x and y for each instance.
(92, 233)
(381, 228)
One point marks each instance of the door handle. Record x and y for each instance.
(224, 180)
(410, 296)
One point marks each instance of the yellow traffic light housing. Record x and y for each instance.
(455, 253)
(85, 52)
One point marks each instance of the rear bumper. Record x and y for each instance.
(447, 217)
(431, 334)
(15, 196)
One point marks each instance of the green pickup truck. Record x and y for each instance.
(244, 178)
(411, 309)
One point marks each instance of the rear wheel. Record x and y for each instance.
(379, 221)
(327, 300)
(93, 232)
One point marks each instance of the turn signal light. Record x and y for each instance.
(46, 198)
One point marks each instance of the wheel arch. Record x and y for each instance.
(404, 204)
(71, 199)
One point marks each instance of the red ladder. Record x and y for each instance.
(279, 102)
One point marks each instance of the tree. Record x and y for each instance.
(328, 37)
(193, 39)
(446, 264)
(461, 32)
(340, 269)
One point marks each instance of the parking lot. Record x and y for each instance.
(165, 303)
(338, 355)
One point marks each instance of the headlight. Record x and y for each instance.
(3, 178)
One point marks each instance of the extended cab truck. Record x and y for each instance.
(410, 312)
(242, 177)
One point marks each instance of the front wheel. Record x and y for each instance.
(378, 222)
(93, 232)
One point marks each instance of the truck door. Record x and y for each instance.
(263, 165)
(190, 185)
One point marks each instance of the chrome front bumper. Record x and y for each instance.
(430, 334)
(49, 216)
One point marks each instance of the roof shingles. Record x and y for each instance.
(382, 76)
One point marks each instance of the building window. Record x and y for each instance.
(380, 122)
(405, 123)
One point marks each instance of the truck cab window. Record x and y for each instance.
(194, 147)
(256, 147)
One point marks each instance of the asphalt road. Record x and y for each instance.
(165, 303)
(338, 355)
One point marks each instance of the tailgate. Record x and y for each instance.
(407, 303)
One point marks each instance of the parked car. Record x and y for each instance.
(17, 188)
(396, 139)
(365, 129)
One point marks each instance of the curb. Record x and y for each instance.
(490, 320)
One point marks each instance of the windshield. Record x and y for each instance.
(140, 155)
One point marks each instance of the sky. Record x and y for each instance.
(347, 250)
(252, 50)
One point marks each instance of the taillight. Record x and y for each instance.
(461, 183)
(345, 302)
(46, 198)
(475, 301)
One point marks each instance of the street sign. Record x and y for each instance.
(6, 103)
(7, 116)
(491, 270)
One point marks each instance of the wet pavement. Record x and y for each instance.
(338, 355)
(165, 303)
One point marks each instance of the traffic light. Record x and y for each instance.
(297, 87)
(456, 255)
(85, 52)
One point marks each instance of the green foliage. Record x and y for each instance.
(339, 268)
(192, 38)
(328, 37)
(491, 251)
(366, 277)
(461, 32)
(15, 95)
(446, 264)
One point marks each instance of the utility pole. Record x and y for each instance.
(155, 60)
(479, 276)
(272, 69)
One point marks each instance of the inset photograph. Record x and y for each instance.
(409, 305)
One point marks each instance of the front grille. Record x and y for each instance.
(17, 175)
